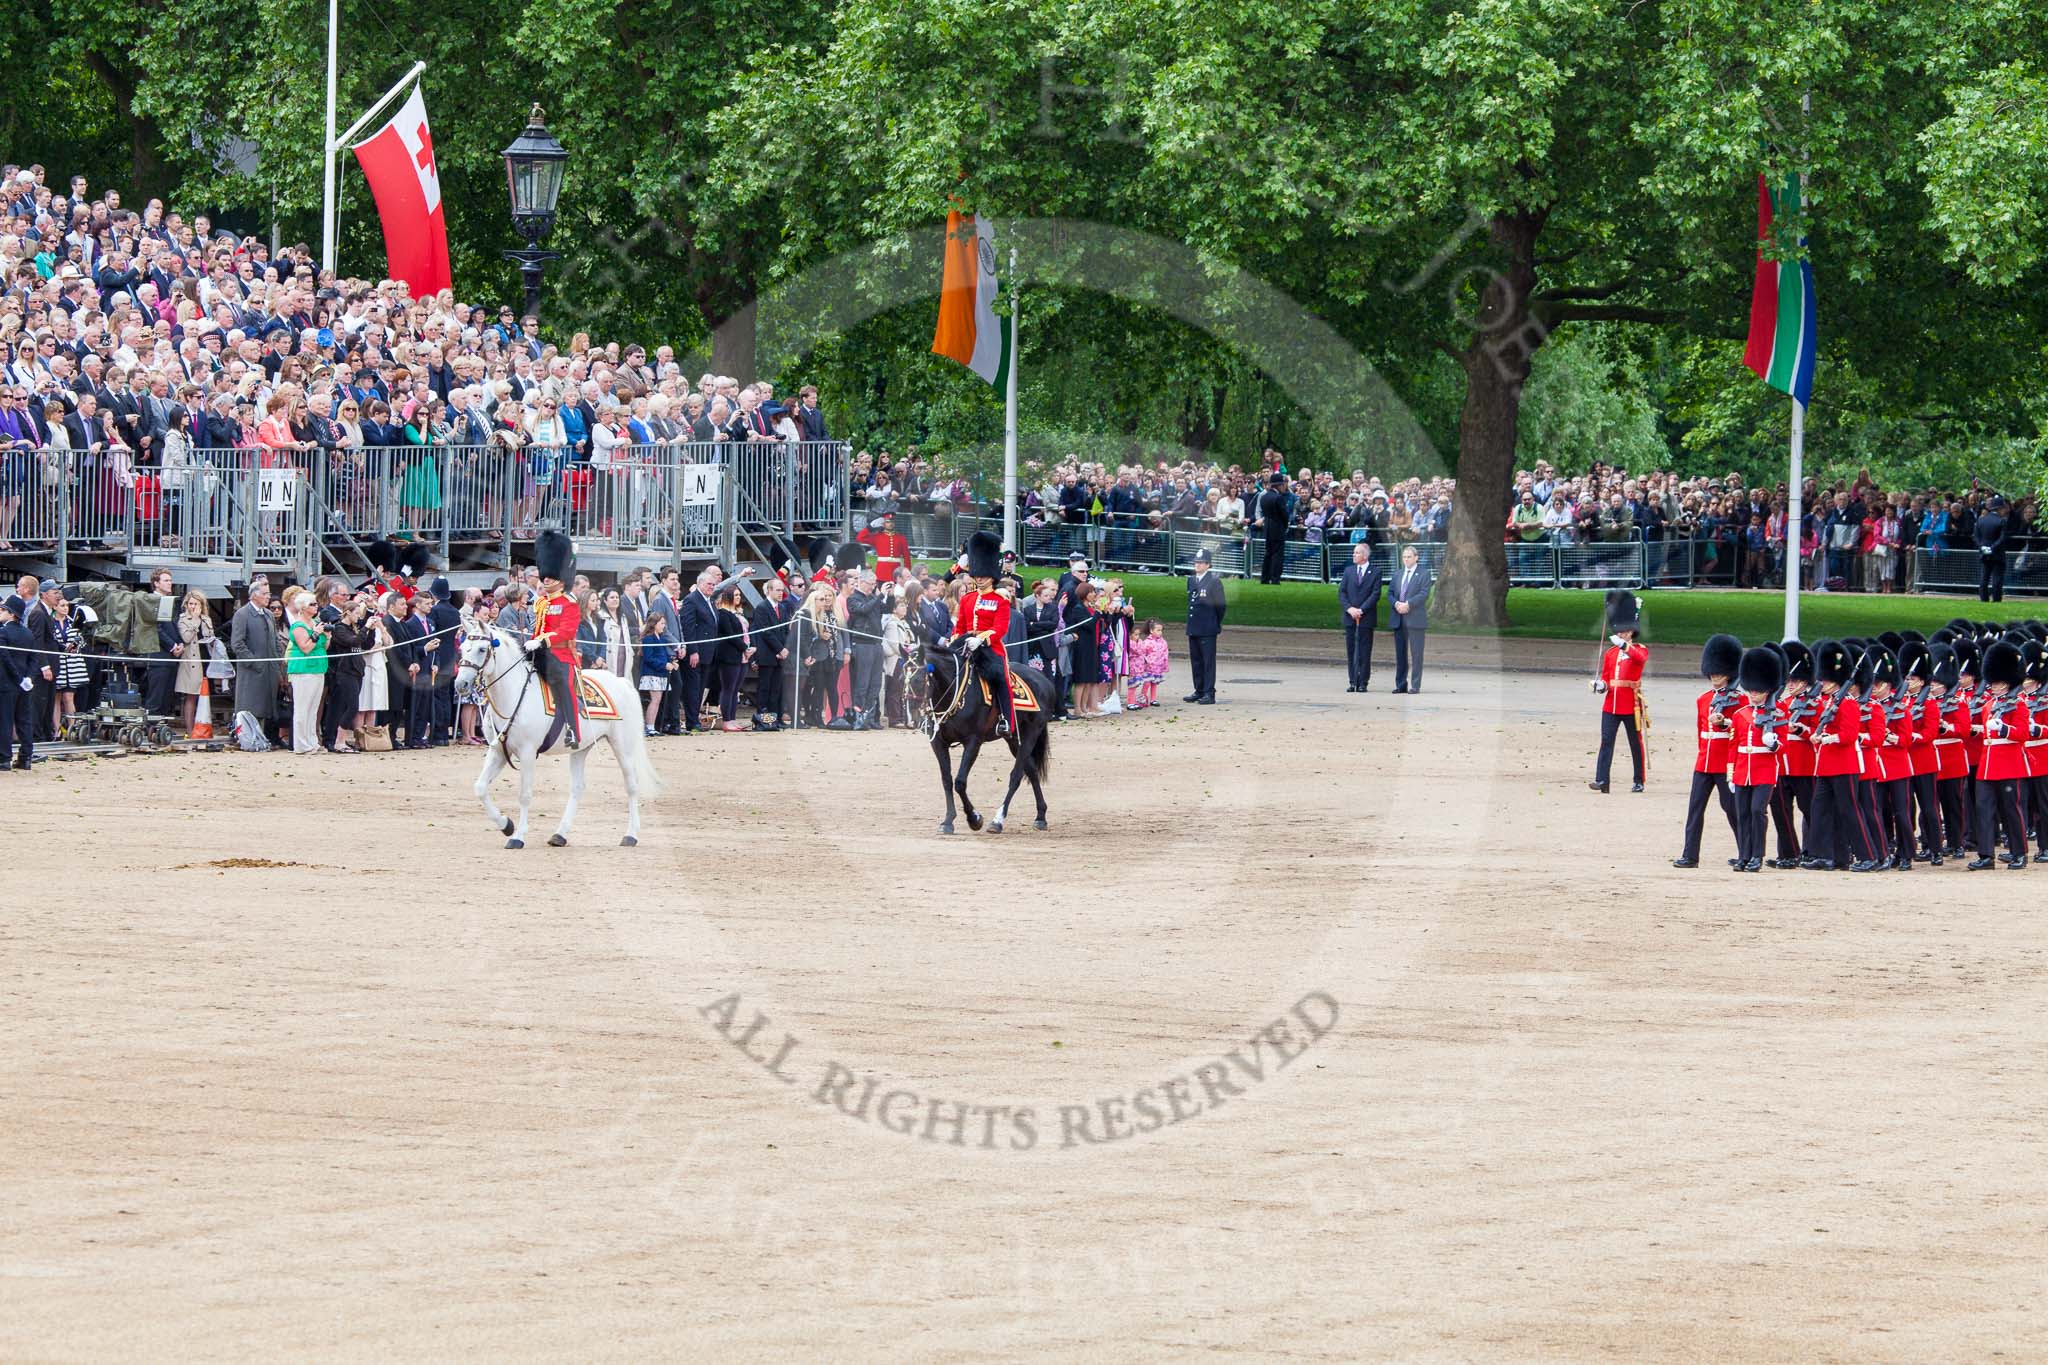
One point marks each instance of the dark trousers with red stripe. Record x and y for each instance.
(1752, 805)
(1791, 799)
(2037, 811)
(1704, 785)
(1874, 833)
(1998, 803)
(1837, 833)
(1895, 819)
(1953, 794)
(1929, 806)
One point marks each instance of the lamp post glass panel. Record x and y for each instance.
(533, 174)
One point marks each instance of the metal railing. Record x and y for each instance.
(301, 510)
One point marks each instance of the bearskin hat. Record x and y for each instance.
(383, 556)
(1960, 626)
(554, 555)
(1722, 656)
(1892, 640)
(1832, 662)
(819, 554)
(1942, 637)
(1622, 613)
(415, 559)
(1916, 662)
(1865, 671)
(2034, 661)
(1945, 667)
(1884, 667)
(1966, 657)
(2004, 664)
(850, 556)
(1761, 669)
(984, 555)
(1912, 637)
(1798, 662)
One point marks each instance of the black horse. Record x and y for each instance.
(960, 715)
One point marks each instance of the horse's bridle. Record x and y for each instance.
(484, 690)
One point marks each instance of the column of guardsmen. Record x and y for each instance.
(1861, 754)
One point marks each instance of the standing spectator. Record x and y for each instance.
(72, 675)
(1409, 595)
(657, 665)
(347, 638)
(819, 652)
(1358, 597)
(1084, 626)
(195, 636)
(1149, 662)
(374, 696)
(899, 647)
(666, 604)
(864, 607)
(41, 621)
(1272, 518)
(444, 622)
(733, 652)
(306, 666)
(699, 628)
(1990, 535)
(1205, 622)
(769, 630)
(17, 684)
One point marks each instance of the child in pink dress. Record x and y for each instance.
(1148, 659)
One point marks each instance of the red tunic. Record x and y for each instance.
(1753, 755)
(1795, 754)
(1716, 736)
(2036, 749)
(555, 617)
(1951, 738)
(1888, 725)
(2005, 755)
(1972, 726)
(984, 612)
(892, 552)
(1838, 756)
(1622, 671)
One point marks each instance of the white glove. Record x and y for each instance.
(1619, 641)
(28, 685)
(535, 643)
(1599, 687)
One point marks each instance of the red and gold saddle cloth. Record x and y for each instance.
(1020, 694)
(596, 705)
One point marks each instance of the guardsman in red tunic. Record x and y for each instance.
(892, 549)
(1753, 753)
(984, 615)
(1888, 728)
(1916, 663)
(2035, 662)
(1718, 664)
(2007, 725)
(1833, 727)
(1619, 687)
(555, 619)
(1792, 805)
(1951, 746)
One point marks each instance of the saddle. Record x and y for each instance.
(1021, 695)
(593, 704)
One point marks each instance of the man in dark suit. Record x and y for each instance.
(667, 604)
(700, 626)
(1205, 622)
(441, 650)
(39, 616)
(18, 671)
(1272, 519)
(1358, 593)
(1409, 594)
(1991, 538)
(810, 422)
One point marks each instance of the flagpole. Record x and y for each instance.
(1794, 522)
(1010, 541)
(335, 142)
(327, 154)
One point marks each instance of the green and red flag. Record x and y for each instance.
(1781, 311)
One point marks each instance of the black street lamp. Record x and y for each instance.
(533, 171)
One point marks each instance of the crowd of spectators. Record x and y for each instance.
(133, 343)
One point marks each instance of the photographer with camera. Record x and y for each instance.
(346, 616)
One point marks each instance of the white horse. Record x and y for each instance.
(515, 724)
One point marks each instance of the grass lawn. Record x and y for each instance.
(1673, 617)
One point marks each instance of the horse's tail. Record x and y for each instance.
(1041, 753)
(634, 743)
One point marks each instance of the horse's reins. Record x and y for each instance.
(484, 687)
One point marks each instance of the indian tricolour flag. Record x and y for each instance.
(969, 329)
(1781, 312)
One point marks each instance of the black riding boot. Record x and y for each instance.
(565, 704)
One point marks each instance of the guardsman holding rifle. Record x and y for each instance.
(1619, 685)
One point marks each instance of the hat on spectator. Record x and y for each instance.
(1078, 558)
(440, 589)
(48, 585)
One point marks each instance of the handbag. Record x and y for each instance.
(373, 739)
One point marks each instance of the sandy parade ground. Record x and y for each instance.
(1316, 1026)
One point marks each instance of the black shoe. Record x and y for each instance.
(1400, 691)
(1192, 696)
(1735, 862)
(2041, 857)
(839, 723)
(2014, 863)
(1867, 865)
(1600, 787)
(1205, 701)
(1415, 689)
(1753, 865)
(1352, 688)
(1934, 861)
(1982, 864)
(1685, 862)
(1816, 865)
(1636, 787)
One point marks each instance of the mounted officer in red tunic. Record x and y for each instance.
(555, 619)
(984, 615)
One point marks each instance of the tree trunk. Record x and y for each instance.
(148, 175)
(732, 345)
(1473, 589)
(1198, 421)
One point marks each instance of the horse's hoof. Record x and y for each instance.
(974, 822)
(995, 827)
(946, 828)
(1039, 823)
(507, 828)
(629, 842)
(558, 841)
(515, 843)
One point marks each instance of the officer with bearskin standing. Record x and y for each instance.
(1718, 663)
(982, 623)
(1916, 667)
(1951, 747)
(555, 619)
(1833, 728)
(1619, 686)
(1753, 751)
(1888, 736)
(2006, 723)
